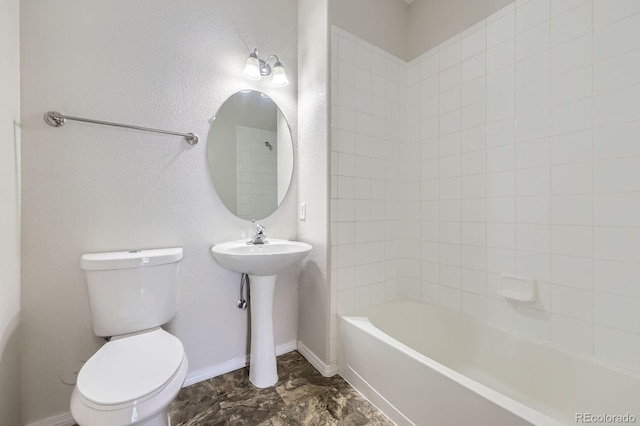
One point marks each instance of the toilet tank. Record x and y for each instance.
(133, 290)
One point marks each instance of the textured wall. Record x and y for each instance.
(313, 328)
(88, 188)
(9, 213)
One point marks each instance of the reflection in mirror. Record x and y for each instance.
(250, 155)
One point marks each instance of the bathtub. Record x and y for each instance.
(424, 365)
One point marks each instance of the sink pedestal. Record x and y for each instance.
(262, 367)
(261, 262)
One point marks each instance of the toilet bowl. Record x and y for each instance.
(131, 380)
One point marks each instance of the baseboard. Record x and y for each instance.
(64, 419)
(232, 364)
(324, 369)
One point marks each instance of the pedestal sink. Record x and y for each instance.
(261, 262)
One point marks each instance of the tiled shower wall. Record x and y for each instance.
(256, 172)
(524, 131)
(367, 170)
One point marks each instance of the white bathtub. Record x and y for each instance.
(424, 365)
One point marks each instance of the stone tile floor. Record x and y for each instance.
(302, 396)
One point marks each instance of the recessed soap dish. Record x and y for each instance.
(520, 289)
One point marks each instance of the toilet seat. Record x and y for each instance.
(130, 369)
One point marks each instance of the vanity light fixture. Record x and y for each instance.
(256, 68)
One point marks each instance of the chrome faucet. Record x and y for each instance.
(259, 237)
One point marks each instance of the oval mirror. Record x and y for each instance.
(250, 154)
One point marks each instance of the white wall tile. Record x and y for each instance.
(500, 158)
(616, 175)
(572, 302)
(501, 184)
(501, 235)
(532, 69)
(572, 209)
(473, 92)
(571, 86)
(473, 43)
(500, 81)
(533, 153)
(429, 65)
(621, 209)
(473, 186)
(533, 41)
(531, 237)
(473, 115)
(606, 12)
(473, 258)
(501, 55)
(501, 210)
(449, 55)
(450, 100)
(621, 278)
(472, 163)
(535, 265)
(621, 244)
(616, 107)
(533, 125)
(473, 68)
(572, 240)
(574, 54)
(617, 72)
(571, 147)
(473, 139)
(571, 117)
(572, 178)
(500, 29)
(533, 210)
(571, 24)
(500, 261)
(616, 39)
(572, 271)
(533, 181)
(501, 107)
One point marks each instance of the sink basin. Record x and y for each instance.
(261, 262)
(260, 259)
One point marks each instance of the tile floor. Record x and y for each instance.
(302, 396)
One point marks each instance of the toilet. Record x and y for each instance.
(132, 378)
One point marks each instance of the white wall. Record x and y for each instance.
(9, 212)
(88, 188)
(380, 22)
(313, 109)
(430, 22)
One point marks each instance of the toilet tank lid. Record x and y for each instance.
(129, 259)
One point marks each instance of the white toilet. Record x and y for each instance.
(134, 377)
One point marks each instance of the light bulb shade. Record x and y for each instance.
(252, 68)
(279, 76)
